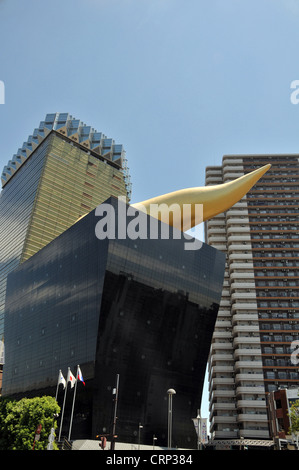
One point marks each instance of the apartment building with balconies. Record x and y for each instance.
(258, 319)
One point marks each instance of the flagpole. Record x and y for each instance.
(112, 445)
(63, 406)
(71, 422)
(57, 385)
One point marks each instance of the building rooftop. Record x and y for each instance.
(74, 129)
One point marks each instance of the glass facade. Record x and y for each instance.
(54, 179)
(16, 205)
(52, 306)
(72, 184)
(143, 309)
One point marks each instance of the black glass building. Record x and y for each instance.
(141, 309)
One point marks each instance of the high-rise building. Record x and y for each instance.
(143, 309)
(63, 171)
(258, 318)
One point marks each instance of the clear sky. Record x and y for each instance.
(179, 83)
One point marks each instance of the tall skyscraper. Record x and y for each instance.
(258, 317)
(63, 171)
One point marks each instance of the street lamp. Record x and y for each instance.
(139, 427)
(170, 392)
(154, 439)
(197, 425)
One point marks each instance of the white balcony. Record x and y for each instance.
(238, 284)
(244, 317)
(254, 418)
(213, 169)
(223, 393)
(251, 404)
(244, 306)
(222, 334)
(219, 246)
(246, 329)
(235, 161)
(245, 275)
(222, 381)
(223, 419)
(233, 167)
(216, 239)
(254, 434)
(241, 256)
(224, 303)
(222, 323)
(239, 238)
(243, 295)
(237, 212)
(225, 435)
(217, 370)
(235, 230)
(237, 221)
(238, 247)
(256, 364)
(241, 340)
(256, 390)
(254, 352)
(250, 378)
(224, 312)
(235, 266)
(225, 292)
(221, 369)
(221, 357)
(217, 230)
(224, 406)
(213, 179)
(214, 222)
(217, 346)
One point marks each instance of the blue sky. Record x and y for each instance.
(179, 83)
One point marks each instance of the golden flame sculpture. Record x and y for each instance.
(214, 200)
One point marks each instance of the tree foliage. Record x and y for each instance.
(19, 420)
(294, 417)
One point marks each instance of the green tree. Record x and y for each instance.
(294, 417)
(19, 420)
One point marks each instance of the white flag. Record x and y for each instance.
(71, 378)
(204, 431)
(61, 379)
(2, 352)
